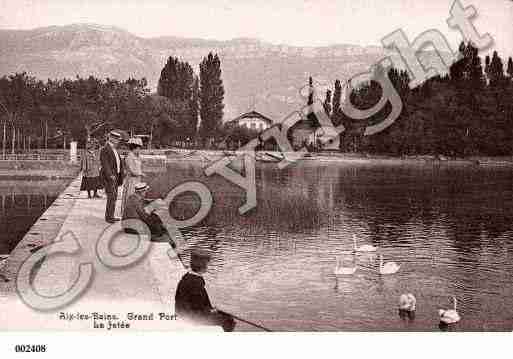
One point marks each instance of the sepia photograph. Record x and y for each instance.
(293, 166)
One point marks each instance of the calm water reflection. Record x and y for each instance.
(449, 228)
(22, 202)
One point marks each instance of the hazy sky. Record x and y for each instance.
(293, 22)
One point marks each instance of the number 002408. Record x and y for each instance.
(29, 348)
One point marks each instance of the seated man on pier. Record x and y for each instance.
(135, 209)
(191, 299)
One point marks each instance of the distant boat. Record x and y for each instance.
(269, 158)
(280, 158)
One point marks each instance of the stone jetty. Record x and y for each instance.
(138, 297)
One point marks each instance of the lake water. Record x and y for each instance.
(450, 229)
(22, 202)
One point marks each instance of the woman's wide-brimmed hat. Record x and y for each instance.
(119, 134)
(115, 134)
(135, 141)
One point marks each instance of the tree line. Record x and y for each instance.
(50, 114)
(466, 112)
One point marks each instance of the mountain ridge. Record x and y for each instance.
(257, 75)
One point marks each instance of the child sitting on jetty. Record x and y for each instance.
(191, 299)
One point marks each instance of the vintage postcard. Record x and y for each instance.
(240, 166)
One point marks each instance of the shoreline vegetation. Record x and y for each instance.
(34, 168)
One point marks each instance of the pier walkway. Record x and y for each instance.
(144, 288)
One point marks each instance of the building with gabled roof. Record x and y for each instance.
(252, 120)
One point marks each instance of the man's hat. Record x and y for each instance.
(200, 257)
(142, 186)
(200, 254)
(115, 134)
(135, 141)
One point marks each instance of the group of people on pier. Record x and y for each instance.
(105, 169)
(109, 171)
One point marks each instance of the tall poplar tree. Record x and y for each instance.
(496, 71)
(194, 107)
(510, 68)
(487, 66)
(211, 96)
(327, 103)
(177, 84)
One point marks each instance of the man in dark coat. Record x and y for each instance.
(111, 173)
(191, 299)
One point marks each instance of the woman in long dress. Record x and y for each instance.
(133, 168)
(90, 168)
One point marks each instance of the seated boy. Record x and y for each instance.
(135, 209)
(191, 299)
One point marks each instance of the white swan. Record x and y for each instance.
(407, 302)
(449, 316)
(364, 248)
(339, 270)
(389, 267)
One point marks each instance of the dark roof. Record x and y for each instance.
(253, 114)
